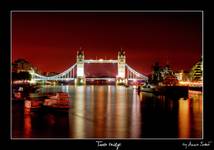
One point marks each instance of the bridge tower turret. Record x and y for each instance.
(80, 79)
(121, 76)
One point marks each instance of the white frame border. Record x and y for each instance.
(127, 11)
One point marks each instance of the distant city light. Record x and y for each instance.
(189, 83)
(21, 81)
(32, 81)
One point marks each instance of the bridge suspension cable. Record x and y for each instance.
(139, 75)
(69, 74)
(55, 77)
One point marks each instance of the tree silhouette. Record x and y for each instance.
(24, 75)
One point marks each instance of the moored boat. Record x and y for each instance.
(171, 91)
(58, 102)
(147, 88)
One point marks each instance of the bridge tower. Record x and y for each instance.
(80, 79)
(121, 76)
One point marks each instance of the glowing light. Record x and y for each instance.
(27, 104)
(80, 71)
(32, 81)
(21, 81)
(18, 95)
(194, 92)
(189, 83)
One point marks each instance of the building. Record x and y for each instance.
(166, 70)
(49, 74)
(22, 65)
(196, 73)
(163, 75)
(182, 75)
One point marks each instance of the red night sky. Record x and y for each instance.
(49, 40)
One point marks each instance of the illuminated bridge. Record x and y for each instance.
(76, 72)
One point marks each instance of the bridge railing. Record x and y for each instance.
(100, 61)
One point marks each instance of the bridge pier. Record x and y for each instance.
(121, 81)
(80, 81)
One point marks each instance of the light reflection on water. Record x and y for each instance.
(114, 112)
(190, 113)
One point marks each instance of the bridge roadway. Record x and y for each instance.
(68, 74)
(89, 79)
(100, 61)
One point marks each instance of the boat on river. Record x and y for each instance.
(171, 91)
(42, 103)
(148, 88)
(58, 102)
(22, 92)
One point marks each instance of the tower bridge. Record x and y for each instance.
(76, 72)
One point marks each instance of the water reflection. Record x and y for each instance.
(184, 119)
(77, 112)
(190, 113)
(27, 123)
(113, 112)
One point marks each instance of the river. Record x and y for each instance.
(104, 111)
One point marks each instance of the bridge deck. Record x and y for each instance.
(100, 61)
(70, 79)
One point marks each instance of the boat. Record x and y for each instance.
(33, 104)
(22, 92)
(16, 95)
(58, 102)
(174, 92)
(34, 101)
(60, 95)
(147, 88)
(170, 91)
(43, 103)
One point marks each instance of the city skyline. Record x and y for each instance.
(50, 40)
